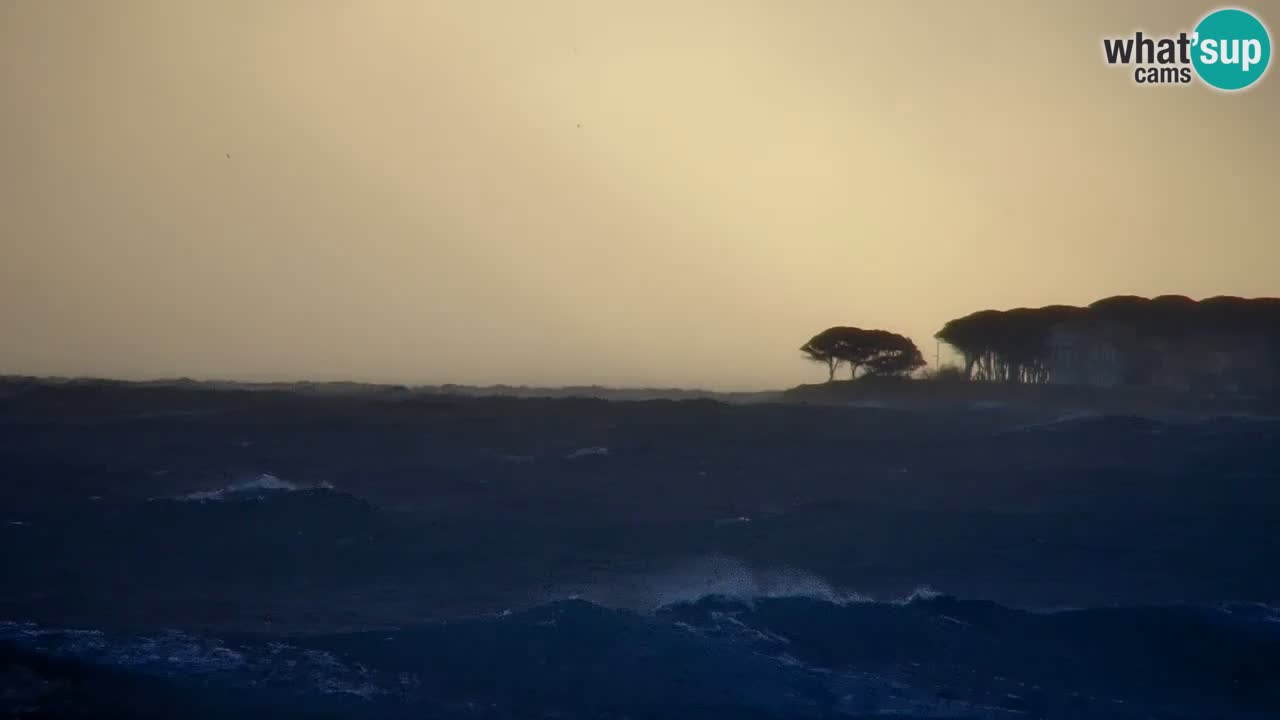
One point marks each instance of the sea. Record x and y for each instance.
(188, 550)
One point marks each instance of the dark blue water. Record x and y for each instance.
(714, 657)
(222, 554)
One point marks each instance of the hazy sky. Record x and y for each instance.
(627, 192)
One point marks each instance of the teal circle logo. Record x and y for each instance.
(1231, 49)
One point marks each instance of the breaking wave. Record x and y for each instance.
(713, 577)
(716, 656)
(261, 486)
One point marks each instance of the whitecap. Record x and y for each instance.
(919, 594)
(264, 483)
(1067, 419)
(733, 579)
(580, 453)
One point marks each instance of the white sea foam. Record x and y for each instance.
(172, 652)
(587, 452)
(923, 592)
(1056, 423)
(264, 483)
(715, 577)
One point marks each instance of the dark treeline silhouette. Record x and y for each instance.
(876, 352)
(1226, 343)
(1009, 345)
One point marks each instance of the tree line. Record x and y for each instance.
(1016, 345)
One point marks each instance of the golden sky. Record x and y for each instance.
(624, 192)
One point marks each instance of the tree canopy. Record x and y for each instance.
(876, 352)
(1015, 345)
